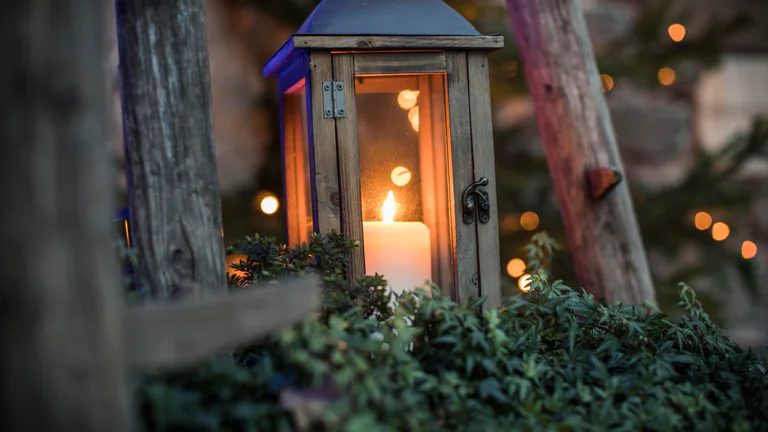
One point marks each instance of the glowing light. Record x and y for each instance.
(748, 249)
(720, 231)
(606, 82)
(666, 76)
(702, 220)
(269, 205)
(516, 267)
(676, 32)
(401, 176)
(388, 209)
(529, 221)
(407, 99)
(234, 259)
(524, 283)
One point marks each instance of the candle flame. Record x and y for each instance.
(388, 209)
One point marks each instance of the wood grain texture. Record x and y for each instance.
(399, 63)
(577, 133)
(168, 132)
(398, 42)
(322, 149)
(61, 362)
(484, 163)
(177, 334)
(349, 163)
(465, 235)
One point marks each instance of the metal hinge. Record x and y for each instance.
(333, 100)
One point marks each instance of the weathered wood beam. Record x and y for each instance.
(175, 334)
(577, 134)
(173, 186)
(61, 357)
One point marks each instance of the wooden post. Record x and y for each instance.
(61, 358)
(168, 127)
(579, 143)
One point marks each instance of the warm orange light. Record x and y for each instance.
(127, 234)
(606, 82)
(516, 267)
(388, 209)
(676, 32)
(269, 205)
(529, 221)
(748, 249)
(666, 76)
(524, 283)
(407, 99)
(413, 116)
(234, 259)
(702, 220)
(401, 176)
(720, 231)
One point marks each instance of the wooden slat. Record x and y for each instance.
(483, 157)
(467, 277)
(399, 63)
(324, 164)
(290, 166)
(174, 334)
(60, 302)
(488, 42)
(427, 173)
(349, 163)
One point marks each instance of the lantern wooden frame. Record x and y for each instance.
(470, 263)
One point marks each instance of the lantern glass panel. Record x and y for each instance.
(404, 182)
(298, 189)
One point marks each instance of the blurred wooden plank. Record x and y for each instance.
(175, 334)
(60, 297)
(484, 163)
(578, 135)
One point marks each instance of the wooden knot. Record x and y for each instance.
(601, 180)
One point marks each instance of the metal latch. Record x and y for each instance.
(333, 100)
(476, 200)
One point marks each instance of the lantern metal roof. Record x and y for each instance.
(386, 17)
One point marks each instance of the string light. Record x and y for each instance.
(702, 220)
(401, 176)
(720, 231)
(748, 249)
(666, 76)
(516, 267)
(529, 221)
(606, 82)
(676, 32)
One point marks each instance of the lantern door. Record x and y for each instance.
(407, 155)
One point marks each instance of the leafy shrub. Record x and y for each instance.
(552, 359)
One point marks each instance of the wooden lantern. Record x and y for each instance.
(387, 137)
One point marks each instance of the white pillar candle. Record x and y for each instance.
(400, 251)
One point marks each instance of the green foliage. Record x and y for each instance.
(552, 359)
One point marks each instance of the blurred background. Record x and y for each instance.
(687, 85)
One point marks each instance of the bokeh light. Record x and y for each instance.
(524, 283)
(702, 220)
(606, 82)
(516, 267)
(407, 99)
(676, 32)
(269, 204)
(720, 231)
(748, 249)
(666, 76)
(529, 221)
(401, 176)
